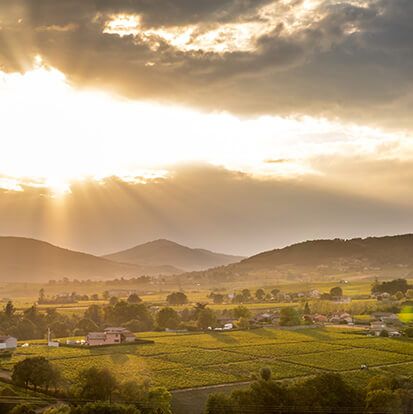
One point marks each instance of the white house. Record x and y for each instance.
(8, 342)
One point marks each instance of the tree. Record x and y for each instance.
(59, 409)
(323, 393)
(167, 318)
(217, 298)
(94, 296)
(206, 318)
(391, 287)
(238, 298)
(124, 312)
(384, 333)
(244, 323)
(289, 317)
(177, 298)
(105, 408)
(409, 332)
(87, 325)
(113, 301)
(246, 295)
(106, 295)
(336, 292)
(241, 312)
(22, 409)
(275, 292)
(260, 294)
(9, 309)
(96, 384)
(219, 404)
(60, 329)
(265, 373)
(409, 294)
(36, 371)
(42, 296)
(326, 392)
(148, 400)
(307, 310)
(198, 308)
(26, 329)
(134, 298)
(95, 314)
(383, 401)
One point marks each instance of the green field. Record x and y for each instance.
(180, 361)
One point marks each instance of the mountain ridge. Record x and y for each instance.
(163, 251)
(324, 258)
(313, 252)
(26, 259)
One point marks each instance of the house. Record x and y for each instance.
(110, 336)
(266, 318)
(222, 320)
(335, 319)
(320, 319)
(343, 318)
(120, 333)
(314, 294)
(377, 327)
(121, 293)
(8, 342)
(387, 317)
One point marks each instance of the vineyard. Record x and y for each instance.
(179, 361)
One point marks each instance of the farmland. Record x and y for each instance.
(179, 361)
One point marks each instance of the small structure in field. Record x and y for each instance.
(378, 327)
(8, 342)
(318, 318)
(110, 336)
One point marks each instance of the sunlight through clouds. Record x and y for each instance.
(241, 36)
(68, 134)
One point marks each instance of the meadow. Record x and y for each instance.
(180, 361)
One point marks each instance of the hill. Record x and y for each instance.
(165, 252)
(372, 251)
(320, 258)
(23, 259)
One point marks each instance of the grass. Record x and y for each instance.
(186, 360)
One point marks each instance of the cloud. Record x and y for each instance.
(204, 206)
(349, 59)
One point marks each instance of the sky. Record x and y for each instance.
(234, 125)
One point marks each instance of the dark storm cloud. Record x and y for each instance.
(204, 206)
(352, 60)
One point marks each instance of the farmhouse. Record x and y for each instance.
(320, 318)
(377, 327)
(110, 336)
(8, 342)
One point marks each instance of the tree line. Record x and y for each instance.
(94, 391)
(327, 393)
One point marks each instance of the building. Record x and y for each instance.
(8, 342)
(320, 318)
(110, 336)
(314, 293)
(377, 327)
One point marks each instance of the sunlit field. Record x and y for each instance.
(179, 361)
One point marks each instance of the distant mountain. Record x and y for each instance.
(23, 259)
(165, 252)
(372, 251)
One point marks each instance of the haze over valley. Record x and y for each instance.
(206, 206)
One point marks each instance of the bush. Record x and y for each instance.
(105, 408)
